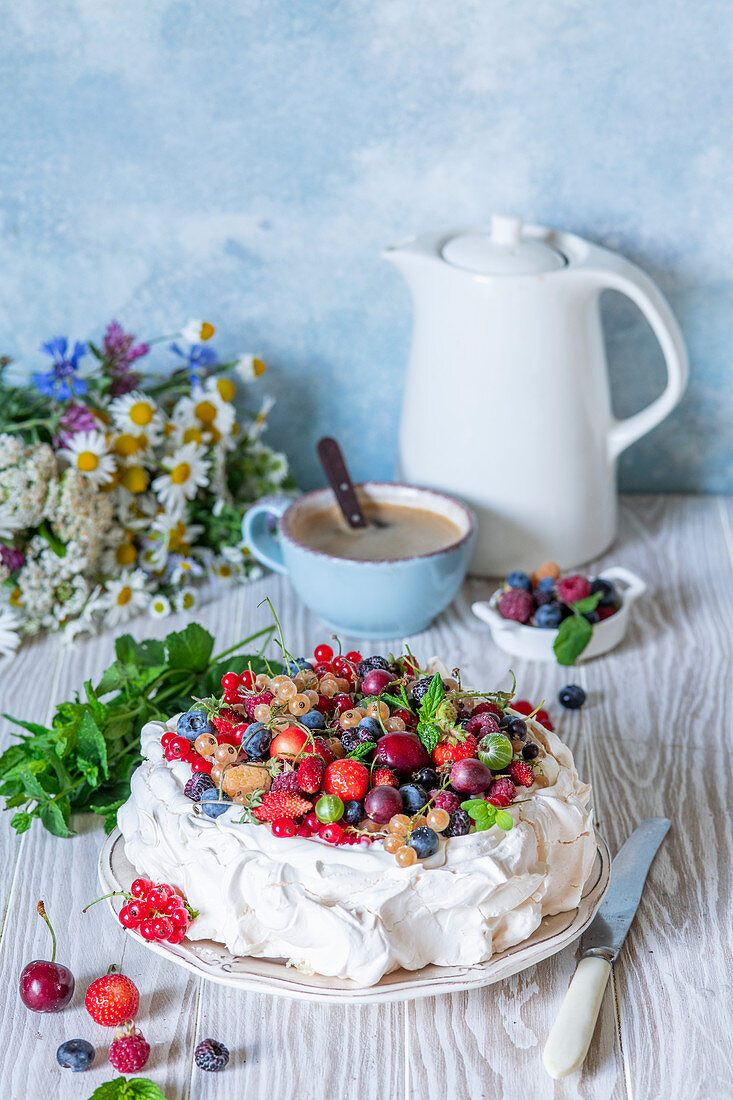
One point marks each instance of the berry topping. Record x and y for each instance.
(76, 1055)
(287, 781)
(459, 825)
(112, 999)
(549, 616)
(530, 751)
(424, 841)
(414, 797)
(521, 773)
(328, 808)
(129, 1052)
(450, 751)
(515, 604)
(445, 800)
(277, 804)
(197, 784)
(419, 688)
(214, 802)
(571, 697)
(502, 791)
(310, 774)
(572, 589)
(348, 779)
(367, 664)
(262, 698)
(483, 723)
(514, 727)
(384, 777)
(495, 751)
(211, 1055)
(192, 723)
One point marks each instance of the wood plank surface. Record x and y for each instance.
(653, 739)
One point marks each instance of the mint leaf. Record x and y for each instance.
(361, 751)
(573, 636)
(432, 699)
(52, 819)
(136, 655)
(32, 727)
(190, 648)
(590, 603)
(113, 678)
(504, 820)
(21, 822)
(136, 1088)
(91, 744)
(429, 734)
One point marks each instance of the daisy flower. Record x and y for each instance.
(258, 425)
(10, 623)
(176, 534)
(87, 451)
(135, 414)
(159, 607)
(186, 599)
(197, 332)
(249, 368)
(184, 568)
(185, 473)
(125, 597)
(206, 414)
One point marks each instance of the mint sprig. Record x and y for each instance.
(575, 632)
(128, 1088)
(428, 730)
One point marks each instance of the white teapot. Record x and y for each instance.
(507, 399)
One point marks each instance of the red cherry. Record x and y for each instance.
(247, 679)
(323, 652)
(167, 738)
(128, 918)
(342, 666)
(354, 656)
(342, 702)
(230, 681)
(46, 986)
(201, 764)
(140, 887)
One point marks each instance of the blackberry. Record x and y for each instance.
(459, 824)
(419, 689)
(368, 664)
(210, 1055)
(610, 595)
(571, 697)
(349, 740)
(197, 784)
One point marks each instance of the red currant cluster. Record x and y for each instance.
(157, 911)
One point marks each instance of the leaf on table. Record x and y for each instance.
(21, 822)
(573, 636)
(123, 1088)
(52, 817)
(190, 648)
(91, 744)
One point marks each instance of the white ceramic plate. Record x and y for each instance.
(536, 644)
(212, 960)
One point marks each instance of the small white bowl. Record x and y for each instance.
(536, 644)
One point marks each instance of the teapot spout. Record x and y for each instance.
(414, 258)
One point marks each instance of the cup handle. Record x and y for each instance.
(635, 586)
(257, 534)
(483, 610)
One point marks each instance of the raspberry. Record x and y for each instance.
(277, 804)
(516, 604)
(252, 701)
(323, 750)
(481, 724)
(384, 777)
(487, 708)
(521, 773)
(572, 589)
(286, 781)
(368, 664)
(226, 720)
(348, 779)
(522, 706)
(210, 1055)
(446, 800)
(129, 1053)
(459, 824)
(501, 792)
(112, 999)
(197, 784)
(310, 774)
(452, 751)
(543, 718)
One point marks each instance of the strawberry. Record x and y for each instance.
(226, 720)
(252, 701)
(310, 774)
(455, 750)
(112, 999)
(384, 777)
(129, 1052)
(348, 779)
(521, 773)
(281, 804)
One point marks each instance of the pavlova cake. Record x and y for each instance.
(356, 815)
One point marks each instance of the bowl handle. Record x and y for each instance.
(635, 586)
(484, 611)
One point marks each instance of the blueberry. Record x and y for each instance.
(371, 725)
(459, 824)
(610, 595)
(313, 720)
(518, 579)
(75, 1054)
(545, 584)
(213, 804)
(531, 750)
(548, 617)
(424, 841)
(197, 784)
(541, 598)
(298, 664)
(192, 723)
(368, 664)
(210, 1055)
(427, 778)
(353, 812)
(571, 697)
(256, 742)
(513, 727)
(414, 798)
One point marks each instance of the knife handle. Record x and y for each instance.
(568, 1041)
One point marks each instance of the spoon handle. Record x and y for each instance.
(338, 477)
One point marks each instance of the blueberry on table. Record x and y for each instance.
(571, 697)
(76, 1055)
(518, 579)
(192, 723)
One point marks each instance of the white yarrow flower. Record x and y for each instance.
(185, 473)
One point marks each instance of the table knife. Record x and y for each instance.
(569, 1039)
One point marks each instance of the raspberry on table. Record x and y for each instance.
(129, 1053)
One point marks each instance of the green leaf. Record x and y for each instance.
(190, 648)
(432, 699)
(113, 678)
(504, 820)
(32, 727)
(573, 636)
(133, 1088)
(138, 655)
(91, 744)
(393, 700)
(31, 785)
(21, 822)
(590, 603)
(53, 819)
(361, 751)
(429, 733)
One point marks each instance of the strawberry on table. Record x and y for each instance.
(112, 999)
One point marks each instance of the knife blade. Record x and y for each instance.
(569, 1039)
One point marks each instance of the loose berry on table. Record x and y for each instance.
(571, 697)
(76, 1055)
(112, 999)
(129, 1052)
(211, 1055)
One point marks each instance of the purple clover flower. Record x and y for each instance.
(76, 418)
(11, 557)
(120, 351)
(61, 381)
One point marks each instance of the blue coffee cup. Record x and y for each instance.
(364, 599)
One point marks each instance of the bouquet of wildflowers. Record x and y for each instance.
(123, 492)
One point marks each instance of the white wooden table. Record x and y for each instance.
(654, 738)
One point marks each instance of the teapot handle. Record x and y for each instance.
(616, 273)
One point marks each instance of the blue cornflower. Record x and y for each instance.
(198, 357)
(61, 381)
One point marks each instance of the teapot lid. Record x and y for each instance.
(503, 251)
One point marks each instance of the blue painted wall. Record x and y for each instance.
(245, 161)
